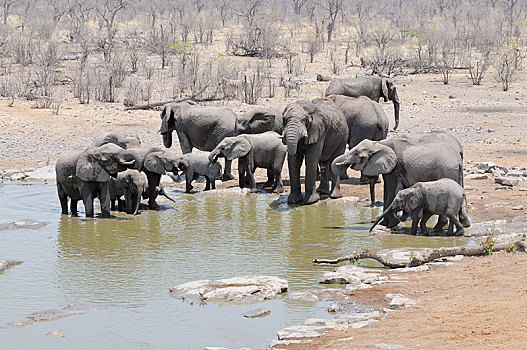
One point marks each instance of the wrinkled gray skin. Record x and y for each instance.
(201, 127)
(259, 120)
(84, 176)
(131, 184)
(424, 199)
(366, 120)
(156, 162)
(195, 165)
(433, 137)
(402, 164)
(318, 132)
(264, 150)
(373, 87)
(118, 138)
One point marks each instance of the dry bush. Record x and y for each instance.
(507, 62)
(254, 82)
(477, 66)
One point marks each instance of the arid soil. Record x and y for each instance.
(477, 303)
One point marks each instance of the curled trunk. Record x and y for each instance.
(167, 139)
(292, 135)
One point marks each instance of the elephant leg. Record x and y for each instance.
(390, 186)
(212, 181)
(415, 222)
(278, 186)
(344, 175)
(311, 196)
(121, 205)
(104, 198)
(441, 222)
(63, 198)
(294, 163)
(459, 228)
(88, 204)
(189, 176)
(112, 204)
(372, 191)
(323, 187)
(153, 182)
(252, 182)
(270, 178)
(184, 143)
(242, 165)
(463, 217)
(129, 201)
(335, 183)
(73, 206)
(207, 185)
(227, 173)
(426, 216)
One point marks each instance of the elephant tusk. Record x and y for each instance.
(341, 164)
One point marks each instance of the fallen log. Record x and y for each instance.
(416, 257)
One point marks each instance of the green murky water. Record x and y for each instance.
(126, 265)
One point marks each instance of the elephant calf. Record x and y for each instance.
(424, 199)
(194, 165)
(264, 150)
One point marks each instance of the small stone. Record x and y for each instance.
(389, 346)
(260, 312)
(517, 207)
(58, 333)
(334, 308)
(477, 176)
(507, 181)
(523, 189)
(399, 301)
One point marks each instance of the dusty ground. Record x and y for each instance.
(478, 303)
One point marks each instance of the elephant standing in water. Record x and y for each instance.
(373, 87)
(402, 164)
(255, 151)
(424, 199)
(193, 165)
(317, 131)
(84, 175)
(201, 127)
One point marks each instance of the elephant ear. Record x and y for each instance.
(261, 121)
(413, 198)
(316, 127)
(384, 88)
(166, 114)
(240, 148)
(383, 161)
(90, 169)
(154, 163)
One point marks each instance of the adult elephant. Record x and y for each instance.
(118, 138)
(318, 131)
(373, 87)
(402, 164)
(84, 176)
(259, 120)
(366, 120)
(201, 127)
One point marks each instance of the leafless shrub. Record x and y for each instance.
(477, 66)
(506, 63)
(313, 46)
(333, 57)
(254, 83)
(47, 60)
(259, 39)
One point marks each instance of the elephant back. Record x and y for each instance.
(432, 161)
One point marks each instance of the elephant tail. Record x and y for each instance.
(461, 178)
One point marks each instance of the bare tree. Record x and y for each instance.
(297, 5)
(7, 6)
(107, 10)
(224, 11)
(248, 9)
(332, 9)
(506, 64)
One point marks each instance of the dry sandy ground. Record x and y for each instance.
(478, 303)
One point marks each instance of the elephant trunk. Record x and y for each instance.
(162, 192)
(214, 155)
(340, 164)
(396, 110)
(293, 134)
(137, 202)
(384, 213)
(167, 139)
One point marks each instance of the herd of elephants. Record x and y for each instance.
(422, 173)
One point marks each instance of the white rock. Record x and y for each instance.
(46, 173)
(477, 176)
(400, 301)
(507, 181)
(260, 312)
(350, 274)
(238, 289)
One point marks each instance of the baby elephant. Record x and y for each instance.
(196, 164)
(424, 199)
(133, 185)
(264, 150)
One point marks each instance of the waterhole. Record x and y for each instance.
(125, 265)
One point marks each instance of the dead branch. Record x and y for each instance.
(321, 77)
(417, 258)
(153, 105)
